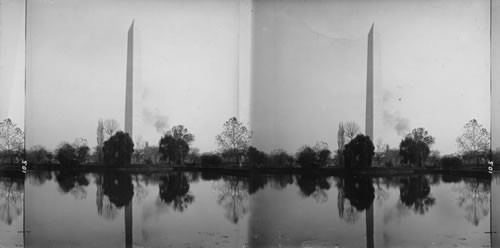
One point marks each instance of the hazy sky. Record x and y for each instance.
(308, 58)
(12, 61)
(310, 68)
(77, 60)
(495, 74)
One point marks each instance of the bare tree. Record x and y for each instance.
(475, 140)
(234, 198)
(138, 151)
(351, 129)
(111, 126)
(138, 141)
(380, 150)
(174, 145)
(79, 142)
(234, 139)
(11, 139)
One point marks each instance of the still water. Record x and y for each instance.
(72, 209)
(11, 210)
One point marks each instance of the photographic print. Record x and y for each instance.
(249, 123)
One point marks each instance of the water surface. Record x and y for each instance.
(11, 211)
(118, 209)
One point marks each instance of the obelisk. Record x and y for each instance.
(130, 81)
(369, 126)
(128, 121)
(369, 87)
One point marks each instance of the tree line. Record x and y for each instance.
(355, 150)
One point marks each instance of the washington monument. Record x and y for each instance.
(130, 82)
(370, 84)
(369, 87)
(128, 121)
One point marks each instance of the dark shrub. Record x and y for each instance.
(118, 149)
(82, 154)
(37, 154)
(210, 159)
(359, 152)
(279, 158)
(449, 162)
(323, 156)
(66, 155)
(307, 158)
(256, 157)
(414, 151)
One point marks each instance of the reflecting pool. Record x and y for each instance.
(192, 209)
(11, 210)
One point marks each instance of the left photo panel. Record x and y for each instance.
(12, 130)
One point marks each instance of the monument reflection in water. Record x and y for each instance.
(210, 210)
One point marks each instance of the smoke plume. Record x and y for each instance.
(159, 121)
(400, 124)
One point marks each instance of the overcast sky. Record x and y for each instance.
(12, 61)
(495, 74)
(309, 68)
(77, 60)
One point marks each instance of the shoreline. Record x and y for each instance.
(245, 171)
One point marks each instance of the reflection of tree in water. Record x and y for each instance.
(359, 193)
(118, 187)
(381, 194)
(210, 176)
(72, 182)
(139, 188)
(280, 181)
(347, 212)
(415, 192)
(434, 179)
(114, 191)
(473, 197)
(11, 199)
(193, 177)
(105, 208)
(38, 178)
(314, 186)
(256, 183)
(233, 197)
(174, 191)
